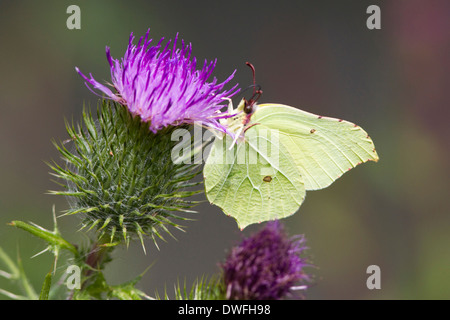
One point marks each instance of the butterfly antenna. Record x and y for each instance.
(256, 92)
(257, 86)
(254, 78)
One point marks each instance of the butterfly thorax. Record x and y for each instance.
(243, 117)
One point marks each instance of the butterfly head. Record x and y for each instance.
(240, 121)
(249, 106)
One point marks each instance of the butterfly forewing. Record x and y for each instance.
(322, 148)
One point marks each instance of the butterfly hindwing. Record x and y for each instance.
(255, 181)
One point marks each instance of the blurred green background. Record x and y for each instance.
(315, 55)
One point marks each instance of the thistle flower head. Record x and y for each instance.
(266, 265)
(163, 86)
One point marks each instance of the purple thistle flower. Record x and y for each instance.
(265, 266)
(163, 87)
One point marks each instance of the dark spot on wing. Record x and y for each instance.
(312, 130)
(267, 179)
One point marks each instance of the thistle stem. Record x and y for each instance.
(94, 262)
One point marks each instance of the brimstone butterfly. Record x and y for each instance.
(278, 153)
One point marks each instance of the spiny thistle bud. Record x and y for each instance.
(120, 176)
(265, 266)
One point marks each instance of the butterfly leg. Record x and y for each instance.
(238, 133)
(249, 126)
(230, 104)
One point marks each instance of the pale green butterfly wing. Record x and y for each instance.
(323, 148)
(295, 151)
(255, 181)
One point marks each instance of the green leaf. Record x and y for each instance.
(52, 238)
(18, 276)
(203, 288)
(46, 287)
(126, 291)
(12, 296)
(25, 283)
(14, 271)
(98, 288)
